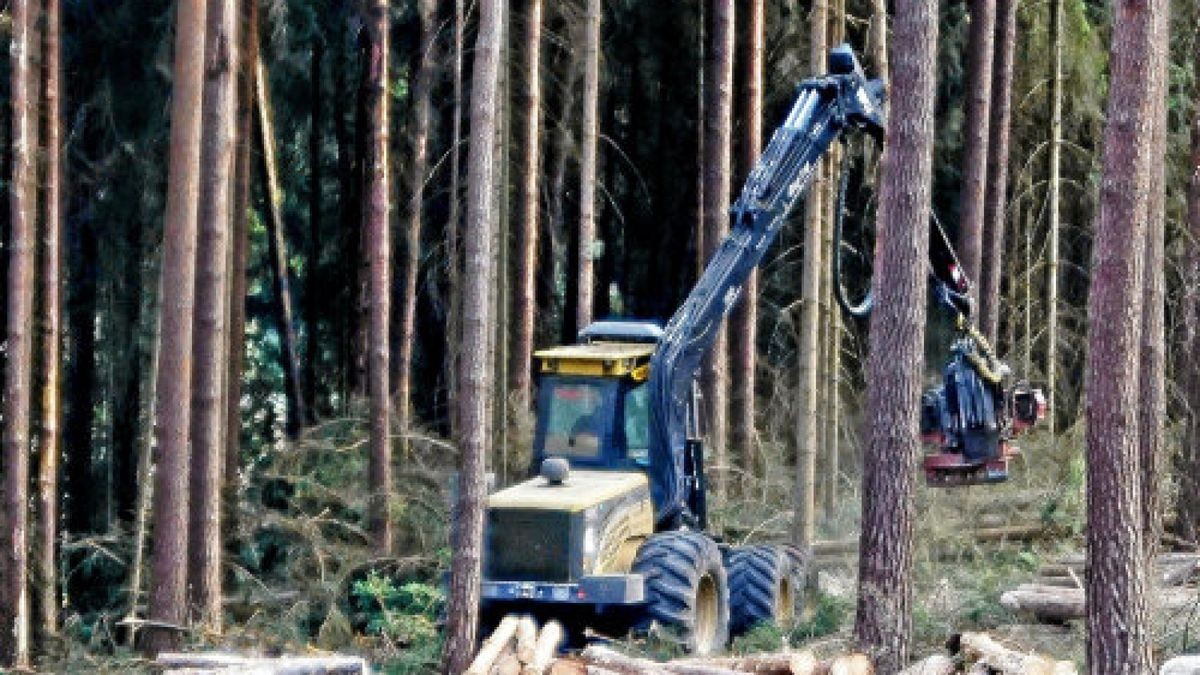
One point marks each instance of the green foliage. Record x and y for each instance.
(405, 614)
(828, 614)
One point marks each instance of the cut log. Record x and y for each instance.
(571, 666)
(1181, 665)
(544, 649)
(493, 646)
(526, 635)
(220, 661)
(507, 664)
(617, 662)
(763, 664)
(1057, 604)
(597, 670)
(979, 649)
(938, 664)
(850, 664)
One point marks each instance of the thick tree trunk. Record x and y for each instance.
(1189, 459)
(453, 255)
(809, 325)
(417, 167)
(1054, 192)
(976, 132)
(297, 412)
(995, 192)
(238, 257)
(18, 371)
(587, 165)
(375, 235)
(168, 597)
(210, 341)
(743, 324)
(1152, 392)
(525, 300)
(475, 376)
(718, 138)
(49, 439)
(883, 625)
(1119, 637)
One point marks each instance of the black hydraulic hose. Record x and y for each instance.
(861, 309)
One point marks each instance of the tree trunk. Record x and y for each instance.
(743, 324)
(453, 257)
(1189, 459)
(1152, 393)
(239, 253)
(49, 440)
(525, 300)
(718, 137)
(168, 598)
(1119, 637)
(995, 193)
(418, 166)
(210, 341)
(18, 371)
(1053, 197)
(809, 324)
(878, 48)
(976, 132)
(297, 413)
(314, 297)
(883, 625)
(474, 377)
(376, 229)
(587, 165)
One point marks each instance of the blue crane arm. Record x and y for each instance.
(825, 108)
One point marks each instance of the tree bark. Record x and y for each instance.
(453, 255)
(995, 192)
(976, 132)
(49, 440)
(474, 376)
(168, 601)
(1152, 393)
(808, 338)
(587, 165)
(239, 254)
(525, 300)
(1189, 458)
(418, 167)
(883, 624)
(210, 341)
(718, 137)
(375, 234)
(1054, 192)
(1119, 636)
(18, 371)
(743, 324)
(297, 411)
(879, 39)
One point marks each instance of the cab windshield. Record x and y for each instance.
(575, 415)
(637, 424)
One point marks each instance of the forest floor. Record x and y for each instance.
(302, 579)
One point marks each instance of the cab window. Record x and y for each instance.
(574, 415)
(637, 424)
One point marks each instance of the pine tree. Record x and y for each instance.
(883, 624)
(587, 165)
(976, 130)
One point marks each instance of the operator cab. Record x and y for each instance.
(593, 402)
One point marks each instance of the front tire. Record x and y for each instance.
(766, 584)
(686, 588)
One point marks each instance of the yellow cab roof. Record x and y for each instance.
(610, 359)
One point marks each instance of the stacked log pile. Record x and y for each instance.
(1057, 595)
(979, 653)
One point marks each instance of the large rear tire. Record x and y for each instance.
(766, 585)
(687, 590)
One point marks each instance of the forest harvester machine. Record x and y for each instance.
(612, 529)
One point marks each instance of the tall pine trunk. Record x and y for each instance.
(1189, 458)
(168, 597)
(995, 192)
(883, 624)
(297, 411)
(474, 432)
(525, 299)
(718, 137)
(453, 245)
(809, 324)
(1054, 193)
(976, 132)
(49, 440)
(417, 167)
(314, 296)
(587, 166)
(18, 371)
(1119, 636)
(377, 246)
(212, 294)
